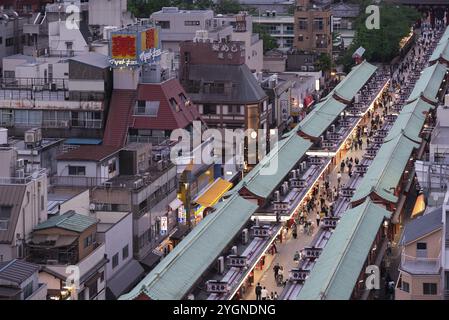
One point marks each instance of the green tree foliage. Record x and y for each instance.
(144, 8)
(269, 42)
(324, 62)
(381, 44)
(228, 6)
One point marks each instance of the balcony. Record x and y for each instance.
(416, 265)
(23, 180)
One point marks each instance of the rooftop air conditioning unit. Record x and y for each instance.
(277, 196)
(30, 136)
(234, 250)
(108, 184)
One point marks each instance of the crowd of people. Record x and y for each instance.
(324, 195)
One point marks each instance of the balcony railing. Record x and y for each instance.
(417, 265)
(22, 180)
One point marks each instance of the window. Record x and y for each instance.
(5, 215)
(209, 109)
(183, 98)
(405, 286)
(235, 109)
(147, 108)
(1, 40)
(9, 42)
(115, 261)
(318, 24)
(421, 246)
(174, 104)
(191, 23)
(163, 24)
(77, 171)
(125, 252)
(429, 288)
(112, 167)
(302, 23)
(28, 290)
(102, 276)
(93, 290)
(300, 38)
(88, 241)
(69, 45)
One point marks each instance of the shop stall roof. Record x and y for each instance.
(176, 274)
(429, 83)
(341, 261)
(385, 172)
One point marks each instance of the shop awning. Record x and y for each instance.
(214, 193)
(125, 278)
(180, 232)
(419, 207)
(151, 260)
(175, 204)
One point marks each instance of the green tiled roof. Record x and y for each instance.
(273, 168)
(386, 169)
(441, 49)
(429, 83)
(410, 121)
(69, 221)
(337, 269)
(321, 117)
(355, 80)
(261, 181)
(176, 274)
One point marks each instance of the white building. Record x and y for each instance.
(104, 13)
(23, 203)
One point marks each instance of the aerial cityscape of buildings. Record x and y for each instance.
(272, 150)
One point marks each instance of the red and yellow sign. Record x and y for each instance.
(149, 39)
(124, 46)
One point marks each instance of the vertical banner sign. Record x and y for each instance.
(164, 225)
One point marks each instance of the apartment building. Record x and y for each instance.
(73, 258)
(280, 27)
(146, 186)
(56, 94)
(19, 280)
(178, 25)
(313, 27)
(242, 24)
(11, 34)
(421, 276)
(23, 203)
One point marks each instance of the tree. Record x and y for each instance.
(324, 62)
(269, 43)
(228, 6)
(382, 44)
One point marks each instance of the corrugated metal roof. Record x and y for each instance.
(341, 261)
(11, 196)
(175, 275)
(70, 221)
(410, 121)
(355, 80)
(429, 83)
(94, 59)
(89, 153)
(386, 169)
(16, 270)
(321, 117)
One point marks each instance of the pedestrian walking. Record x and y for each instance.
(318, 218)
(275, 296)
(276, 270)
(258, 291)
(264, 293)
(295, 231)
(338, 178)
